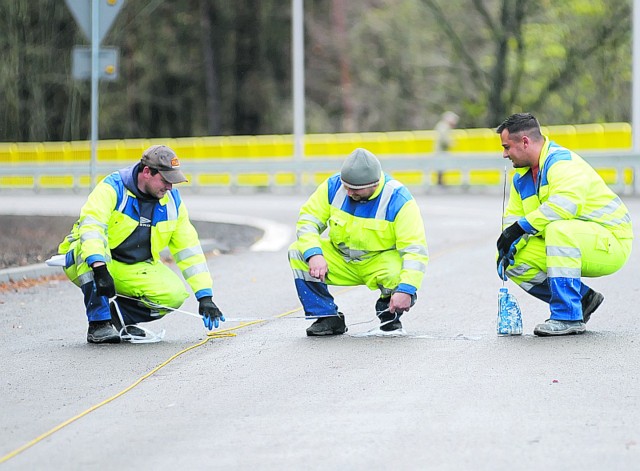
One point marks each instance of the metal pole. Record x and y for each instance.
(635, 88)
(95, 45)
(298, 85)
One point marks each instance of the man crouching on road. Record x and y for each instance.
(114, 249)
(376, 238)
(562, 223)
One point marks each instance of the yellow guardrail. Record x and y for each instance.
(234, 149)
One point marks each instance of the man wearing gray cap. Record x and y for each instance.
(114, 250)
(376, 238)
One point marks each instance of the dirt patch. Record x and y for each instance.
(27, 240)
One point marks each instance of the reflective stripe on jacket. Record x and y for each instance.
(389, 220)
(111, 214)
(567, 188)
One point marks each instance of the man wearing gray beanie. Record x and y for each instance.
(376, 238)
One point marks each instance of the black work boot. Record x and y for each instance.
(590, 302)
(117, 321)
(330, 325)
(102, 332)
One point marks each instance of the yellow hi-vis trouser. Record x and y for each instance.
(153, 284)
(550, 267)
(381, 271)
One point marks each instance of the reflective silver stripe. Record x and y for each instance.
(519, 270)
(415, 249)
(612, 223)
(564, 203)
(564, 272)
(549, 213)
(123, 203)
(85, 278)
(195, 270)
(172, 209)
(535, 281)
(385, 197)
(554, 251)
(352, 254)
(304, 275)
(91, 235)
(626, 218)
(308, 217)
(414, 265)
(188, 252)
(295, 255)
(385, 291)
(610, 208)
(89, 220)
(523, 268)
(339, 197)
(510, 220)
(307, 229)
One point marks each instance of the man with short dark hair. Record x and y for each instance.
(114, 249)
(562, 223)
(376, 238)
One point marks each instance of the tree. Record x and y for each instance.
(213, 67)
(530, 54)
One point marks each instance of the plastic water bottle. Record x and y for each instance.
(509, 316)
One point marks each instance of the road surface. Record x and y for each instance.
(449, 396)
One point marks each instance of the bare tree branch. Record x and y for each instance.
(476, 72)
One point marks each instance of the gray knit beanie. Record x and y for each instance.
(360, 170)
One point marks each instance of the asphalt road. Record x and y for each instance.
(449, 396)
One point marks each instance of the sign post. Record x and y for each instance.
(94, 18)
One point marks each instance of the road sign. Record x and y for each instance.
(107, 63)
(107, 10)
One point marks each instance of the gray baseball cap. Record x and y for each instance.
(165, 160)
(361, 170)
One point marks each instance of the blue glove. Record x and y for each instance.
(211, 315)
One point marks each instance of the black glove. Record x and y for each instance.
(211, 315)
(508, 237)
(103, 281)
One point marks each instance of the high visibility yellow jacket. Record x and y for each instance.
(111, 214)
(389, 220)
(567, 187)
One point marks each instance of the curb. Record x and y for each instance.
(275, 236)
(40, 270)
(29, 272)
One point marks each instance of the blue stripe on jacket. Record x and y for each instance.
(125, 178)
(368, 209)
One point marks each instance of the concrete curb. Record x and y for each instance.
(40, 270)
(275, 236)
(29, 272)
